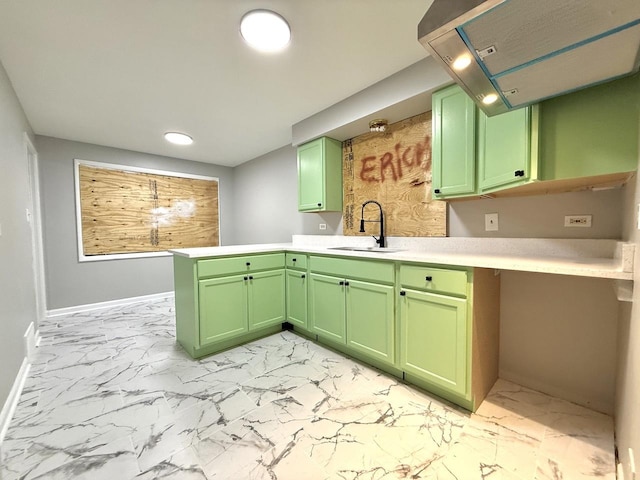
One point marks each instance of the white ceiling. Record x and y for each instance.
(122, 72)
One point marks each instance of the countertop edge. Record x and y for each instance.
(611, 268)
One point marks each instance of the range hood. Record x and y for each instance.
(525, 51)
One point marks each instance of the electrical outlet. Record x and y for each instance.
(577, 221)
(491, 222)
(322, 226)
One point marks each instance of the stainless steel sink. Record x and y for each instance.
(365, 249)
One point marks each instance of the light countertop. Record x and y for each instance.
(586, 258)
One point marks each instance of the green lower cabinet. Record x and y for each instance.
(354, 313)
(327, 307)
(297, 298)
(370, 313)
(433, 339)
(266, 303)
(223, 308)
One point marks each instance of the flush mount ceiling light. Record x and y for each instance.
(378, 125)
(265, 30)
(178, 138)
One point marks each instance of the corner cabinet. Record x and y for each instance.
(320, 176)
(296, 295)
(474, 154)
(588, 138)
(221, 302)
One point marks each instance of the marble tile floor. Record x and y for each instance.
(112, 396)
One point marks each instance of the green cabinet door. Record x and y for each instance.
(297, 298)
(454, 143)
(370, 325)
(506, 150)
(266, 298)
(592, 131)
(320, 176)
(223, 308)
(434, 339)
(327, 307)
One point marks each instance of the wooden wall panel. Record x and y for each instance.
(134, 212)
(393, 168)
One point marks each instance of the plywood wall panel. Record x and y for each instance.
(133, 212)
(393, 168)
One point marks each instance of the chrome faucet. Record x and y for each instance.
(379, 241)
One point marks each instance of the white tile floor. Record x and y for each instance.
(111, 396)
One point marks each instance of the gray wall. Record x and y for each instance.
(558, 335)
(266, 201)
(71, 283)
(17, 287)
(540, 216)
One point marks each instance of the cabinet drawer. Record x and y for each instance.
(250, 263)
(434, 279)
(347, 268)
(296, 260)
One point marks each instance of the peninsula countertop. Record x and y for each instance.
(587, 258)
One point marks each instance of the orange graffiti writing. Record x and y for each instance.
(390, 165)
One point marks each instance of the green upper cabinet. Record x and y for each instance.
(591, 132)
(586, 138)
(454, 131)
(507, 148)
(320, 176)
(467, 144)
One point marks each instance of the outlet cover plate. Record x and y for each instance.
(577, 221)
(491, 222)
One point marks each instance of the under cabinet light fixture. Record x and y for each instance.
(178, 138)
(265, 30)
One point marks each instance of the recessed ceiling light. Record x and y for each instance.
(489, 99)
(462, 62)
(178, 138)
(265, 30)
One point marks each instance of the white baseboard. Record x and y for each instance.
(111, 303)
(30, 342)
(12, 400)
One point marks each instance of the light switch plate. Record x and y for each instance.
(491, 222)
